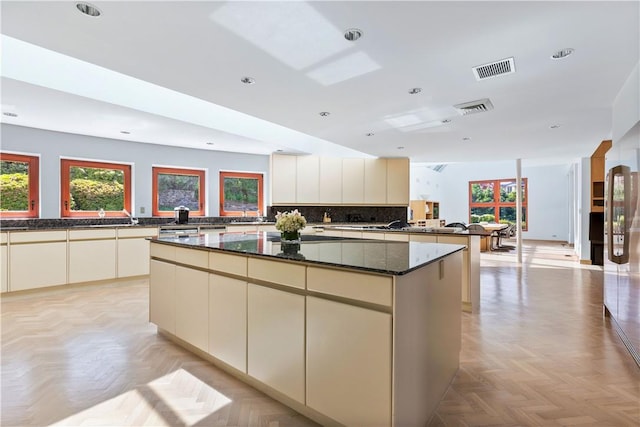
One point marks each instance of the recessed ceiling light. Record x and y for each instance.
(9, 114)
(324, 113)
(401, 148)
(248, 80)
(466, 138)
(353, 34)
(446, 121)
(126, 132)
(88, 9)
(209, 143)
(279, 151)
(415, 90)
(370, 134)
(563, 53)
(554, 126)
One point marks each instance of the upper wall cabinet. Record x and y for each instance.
(375, 181)
(283, 179)
(312, 180)
(307, 179)
(353, 181)
(398, 182)
(331, 184)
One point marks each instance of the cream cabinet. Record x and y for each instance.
(398, 181)
(352, 181)
(307, 179)
(375, 181)
(276, 337)
(349, 362)
(4, 263)
(192, 306)
(228, 320)
(330, 180)
(133, 251)
(92, 255)
(162, 295)
(37, 259)
(283, 179)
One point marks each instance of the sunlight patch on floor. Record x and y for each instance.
(176, 398)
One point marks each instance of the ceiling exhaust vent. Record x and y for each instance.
(494, 69)
(473, 107)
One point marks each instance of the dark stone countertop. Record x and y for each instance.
(376, 256)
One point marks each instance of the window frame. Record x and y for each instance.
(65, 191)
(34, 185)
(158, 170)
(496, 204)
(247, 175)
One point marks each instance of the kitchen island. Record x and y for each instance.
(345, 331)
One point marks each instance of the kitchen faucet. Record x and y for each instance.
(134, 221)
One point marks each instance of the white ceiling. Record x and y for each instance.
(169, 73)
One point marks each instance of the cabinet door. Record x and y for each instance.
(133, 257)
(276, 340)
(283, 179)
(4, 276)
(228, 320)
(349, 363)
(330, 180)
(36, 265)
(375, 181)
(307, 179)
(162, 295)
(92, 260)
(398, 182)
(352, 181)
(192, 307)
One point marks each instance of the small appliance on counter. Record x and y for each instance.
(181, 214)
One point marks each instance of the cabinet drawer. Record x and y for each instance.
(457, 240)
(194, 257)
(362, 287)
(277, 272)
(137, 232)
(226, 263)
(3, 238)
(38, 236)
(92, 234)
(167, 252)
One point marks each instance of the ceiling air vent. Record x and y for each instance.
(494, 69)
(479, 106)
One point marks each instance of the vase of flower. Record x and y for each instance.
(290, 236)
(289, 224)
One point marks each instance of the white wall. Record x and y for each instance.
(51, 146)
(548, 186)
(425, 183)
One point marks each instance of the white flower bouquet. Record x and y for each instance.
(289, 222)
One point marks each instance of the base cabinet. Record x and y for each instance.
(4, 263)
(92, 260)
(192, 306)
(276, 337)
(162, 295)
(228, 320)
(349, 362)
(37, 265)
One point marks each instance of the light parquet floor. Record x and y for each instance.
(538, 353)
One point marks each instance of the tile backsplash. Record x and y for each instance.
(377, 214)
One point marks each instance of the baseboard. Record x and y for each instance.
(585, 261)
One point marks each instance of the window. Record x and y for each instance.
(174, 187)
(241, 194)
(495, 201)
(19, 191)
(88, 187)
